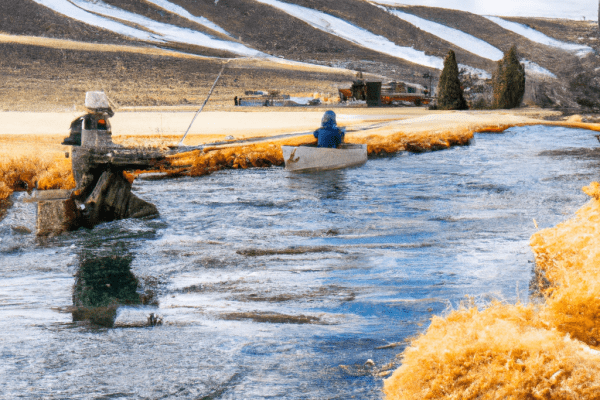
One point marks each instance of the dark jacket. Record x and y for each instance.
(329, 135)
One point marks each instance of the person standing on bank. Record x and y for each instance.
(329, 134)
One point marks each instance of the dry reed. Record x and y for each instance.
(568, 257)
(29, 161)
(498, 353)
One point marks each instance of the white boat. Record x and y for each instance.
(311, 158)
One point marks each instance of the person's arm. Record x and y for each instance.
(316, 133)
(342, 134)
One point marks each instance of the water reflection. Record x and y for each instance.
(326, 185)
(104, 282)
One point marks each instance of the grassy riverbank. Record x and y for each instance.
(31, 154)
(539, 351)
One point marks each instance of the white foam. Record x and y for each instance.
(182, 12)
(463, 40)
(539, 37)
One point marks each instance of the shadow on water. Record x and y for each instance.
(104, 282)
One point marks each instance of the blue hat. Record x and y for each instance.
(328, 119)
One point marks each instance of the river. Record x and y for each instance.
(273, 285)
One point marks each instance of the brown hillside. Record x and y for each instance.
(581, 32)
(153, 12)
(379, 22)
(25, 17)
(44, 78)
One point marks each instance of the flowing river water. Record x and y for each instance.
(278, 285)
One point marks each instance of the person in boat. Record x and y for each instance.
(329, 134)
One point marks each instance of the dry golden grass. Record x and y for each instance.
(498, 353)
(517, 351)
(568, 256)
(27, 161)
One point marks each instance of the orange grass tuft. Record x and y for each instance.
(568, 257)
(26, 173)
(497, 353)
(27, 161)
(58, 175)
(518, 351)
(256, 155)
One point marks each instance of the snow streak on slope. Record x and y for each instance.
(454, 36)
(572, 9)
(354, 34)
(466, 41)
(534, 69)
(182, 12)
(539, 37)
(67, 9)
(167, 32)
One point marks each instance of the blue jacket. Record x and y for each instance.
(329, 135)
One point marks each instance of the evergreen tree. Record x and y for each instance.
(509, 81)
(450, 94)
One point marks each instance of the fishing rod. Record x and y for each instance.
(200, 110)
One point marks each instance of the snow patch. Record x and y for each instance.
(67, 9)
(480, 73)
(463, 40)
(182, 12)
(354, 34)
(539, 37)
(168, 32)
(534, 69)
(573, 9)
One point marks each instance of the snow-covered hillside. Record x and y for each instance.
(115, 19)
(539, 37)
(573, 9)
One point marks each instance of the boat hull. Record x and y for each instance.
(308, 159)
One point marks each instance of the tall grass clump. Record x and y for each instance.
(535, 351)
(568, 259)
(27, 173)
(501, 352)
